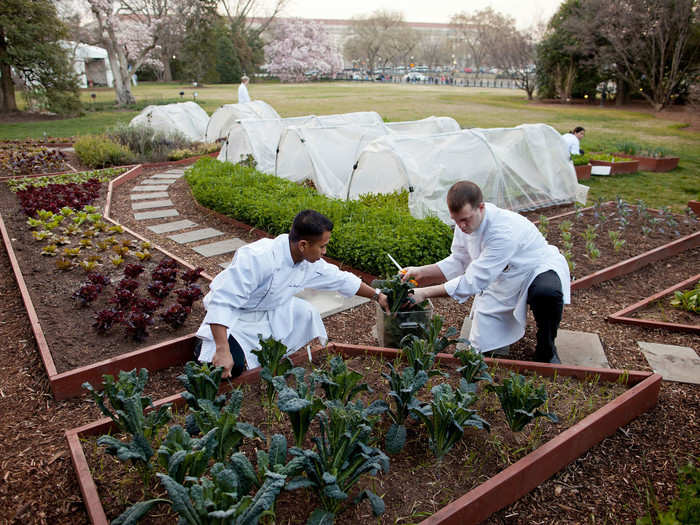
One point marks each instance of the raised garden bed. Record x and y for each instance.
(583, 172)
(72, 351)
(655, 164)
(648, 235)
(408, 478)
(618, 166)
(656, 312)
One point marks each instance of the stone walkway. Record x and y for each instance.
(150, 200)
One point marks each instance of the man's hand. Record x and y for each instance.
(223, 357)
(383, 301)
(419, 295)
(411, 272)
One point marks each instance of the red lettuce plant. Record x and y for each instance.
(132, 271)
(87, 293)
(99, 279)
(191, 276)
(187, 296)
(176, 315)
(123, 298)
(128, 284)
(53, 197)
(105, 319)
(166, 275)
(137, 324)
(146, 305)
(160, 289)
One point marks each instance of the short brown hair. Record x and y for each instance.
(464, 192)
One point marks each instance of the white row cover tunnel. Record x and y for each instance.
(187, 118)
(227, 115)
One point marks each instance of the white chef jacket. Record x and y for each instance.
(572, 144)
(243, 95)
(255, 296)
(497, 263)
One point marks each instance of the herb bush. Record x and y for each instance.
(147, 144)
(99, 151)
(363, 232)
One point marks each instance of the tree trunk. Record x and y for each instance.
(8, 104)
(167, 71)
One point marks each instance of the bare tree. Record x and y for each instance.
(434, 51)
(371, 35)
(514, 53)
(479, 32)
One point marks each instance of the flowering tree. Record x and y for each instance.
(129, 31)
(298, 46)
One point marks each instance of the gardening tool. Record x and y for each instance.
(395, 263)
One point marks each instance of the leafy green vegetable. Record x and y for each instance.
(341, 384)
(685, 508)
(299, 403)
(182, 455)
(520, 399)
(418, 353)
(271, 356)
(446, 416)
(439, 343)
(688, 300)
(473, 368)
(404, 387)
(341, 458)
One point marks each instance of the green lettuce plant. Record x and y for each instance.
(299, 403)
(446, 416)
(520, 400)
(404, 387)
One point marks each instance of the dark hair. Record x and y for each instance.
(577, 129)
(309, 225)
(464, 192)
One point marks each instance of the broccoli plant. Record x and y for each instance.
(273, 360)
(341, 458)
(299, 403)
(341, 384)
(447, 415)
(404, 387)
(128, 412)
(473, 368)
(520, 399)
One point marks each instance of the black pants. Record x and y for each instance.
(239, 364)
(546, 301)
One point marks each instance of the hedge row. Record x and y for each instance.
(365, 231)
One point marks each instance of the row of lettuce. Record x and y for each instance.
(364, 230)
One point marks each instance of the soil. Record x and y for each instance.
(607, 484)
(62, 318)
(410, 488)
(661, 310)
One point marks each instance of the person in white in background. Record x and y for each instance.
(573, 140)
(243, 95)
(501, 259)
(255, 295)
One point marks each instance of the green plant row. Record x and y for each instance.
(65, 178)
(363, 234)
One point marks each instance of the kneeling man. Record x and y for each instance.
(501, 259)
(254, 296)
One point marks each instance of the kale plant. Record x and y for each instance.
(436, 342)
(404, 387)
(299, 403)
(340, 383)
(520, 399)
(447, 415)
(474, 368)
(274, 362)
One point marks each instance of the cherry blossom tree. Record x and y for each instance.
(298, 46)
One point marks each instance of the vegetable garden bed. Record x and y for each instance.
(655, 164)
(67, 335)
(414, 474)
(655, 311)
(618, 166)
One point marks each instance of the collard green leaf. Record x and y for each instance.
(395, 438)
(137, 511)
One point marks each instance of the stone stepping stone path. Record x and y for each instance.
(151, 204)
(155, 187)
(674, 363)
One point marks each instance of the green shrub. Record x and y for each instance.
(580, 160)
(628, 147)
(362, 236)
(147, 144)
(98, 151)
(607, 157)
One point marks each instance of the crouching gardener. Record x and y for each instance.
(254, 296)
(501, 259)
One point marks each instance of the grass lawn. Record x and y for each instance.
(471, 107)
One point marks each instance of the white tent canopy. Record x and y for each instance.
(517, 168)
(91, 64)
(226, 116)
(426, 126)
(186, 117)
(260, 137)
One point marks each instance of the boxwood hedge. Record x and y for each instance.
(364, 231)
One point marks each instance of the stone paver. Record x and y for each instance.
(195, 235)
(157, 181)
(168, 227)
(674, 363)
(580, 349)
(149, 195)
(151, 204)
(168, 175)
(154, 187)
(217, 248)
(156, 214)
(329, 303)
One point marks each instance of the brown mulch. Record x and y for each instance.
(607, 484)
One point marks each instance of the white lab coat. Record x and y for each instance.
(573, 146)
(243, 95)
(496, 264)
(255, 295)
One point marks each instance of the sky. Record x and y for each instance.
(526, 13)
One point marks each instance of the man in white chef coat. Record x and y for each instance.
(501, 259)
(255, 295)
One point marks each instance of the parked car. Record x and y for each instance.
(414, 77)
